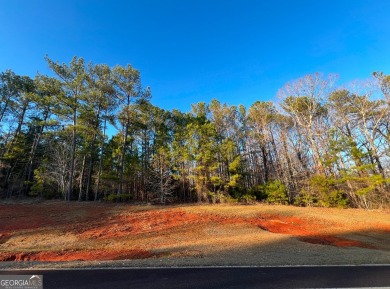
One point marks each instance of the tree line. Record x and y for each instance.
(91, 133)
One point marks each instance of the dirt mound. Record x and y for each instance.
(304, 230)
(53, 226)
(137, 223)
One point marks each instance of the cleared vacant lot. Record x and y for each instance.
(189, 235)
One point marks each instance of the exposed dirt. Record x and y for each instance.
(60, 231)
(137, 223)
(78, 255)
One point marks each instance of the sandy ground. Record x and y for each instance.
(73, 234)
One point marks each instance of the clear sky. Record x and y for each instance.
(196, 50)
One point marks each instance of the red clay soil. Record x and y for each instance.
(138, 222)
(92, 221)
(303, 230)
(161, 220)
(77, 255)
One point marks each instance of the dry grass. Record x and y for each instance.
(55, 231)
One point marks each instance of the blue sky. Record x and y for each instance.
(191, 51)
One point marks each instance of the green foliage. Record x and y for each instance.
(258, 192)
(306, 198)
(117, 198)
(234, 181)
(42, 186)
(248, 199)
(367, 184)
(329, 149)
(38, 187)
(235, 186)
(111, 198)
(231, 200)
(236, 165)
(219, 197)
(276, 192)
(216, 181)
(325, 192)
(335, 198)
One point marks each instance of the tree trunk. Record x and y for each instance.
(100, 160)
(121, 168)
(4, 110)
(32, 153)
(81, 180)
(316, 156)
(73, 156)
(265, 163)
